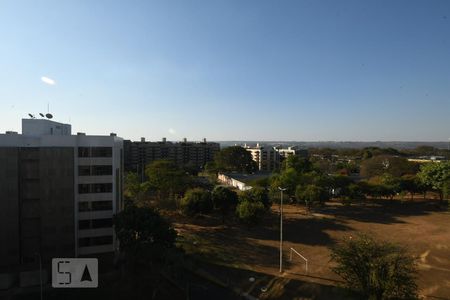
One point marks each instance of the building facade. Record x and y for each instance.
(140, 154)
(291, 151)
(58, 192)
(267, 158)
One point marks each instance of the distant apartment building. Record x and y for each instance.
(58, 192)
(139, 154)
(267, 158)
(427, 159)
(290, 151)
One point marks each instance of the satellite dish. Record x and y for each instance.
(49, 116)
(31, 116)
(42, 115)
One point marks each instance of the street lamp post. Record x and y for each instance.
(281, 229)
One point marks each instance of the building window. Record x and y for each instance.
(83, 151)
(95, 206)
(95, 188)
(84, 170)
(101, 187)
(102, 223)
(84, 224)
(83, 206)
(94, 170)
(95, 223)
(95, 241)
(94, 152)
(101, 170)
(101, 152)
(101, 205)
(84, 242)
(83, 188)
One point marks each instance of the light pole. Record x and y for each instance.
(281, 229)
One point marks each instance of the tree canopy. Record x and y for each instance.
(256, 194)
(196, 201)
(236, 159)
(250, 212)
(224, 200)
(377, 270)
(379, 165)
(143, 234)
(435, 175)
(166, 177)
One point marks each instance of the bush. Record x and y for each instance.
(196, 201)
(250, 212)
(377, 270)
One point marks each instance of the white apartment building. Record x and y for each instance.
(267, 158)
(69, 187)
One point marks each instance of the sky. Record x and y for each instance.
(303, 70)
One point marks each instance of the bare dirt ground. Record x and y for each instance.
(420, 226)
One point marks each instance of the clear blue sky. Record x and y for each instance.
(230, 70)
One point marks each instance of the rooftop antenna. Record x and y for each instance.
(48, 115)
(31, 116)
(42, 115)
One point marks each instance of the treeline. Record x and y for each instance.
(384, 177)
(369, 152)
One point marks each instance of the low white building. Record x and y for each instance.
(227, 179)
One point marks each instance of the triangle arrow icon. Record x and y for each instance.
(86, 275)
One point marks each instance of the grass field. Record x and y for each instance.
(420, 226)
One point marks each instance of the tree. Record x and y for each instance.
(253, 204)
(379, 165)
(166, 177)
(391, 184)
(250, 212)
(411, 184)
(224, 200)
(340, 184)
(143, 234)
(446, 189)
(352, 193)
(299, 164)
(311, 194)
(435, 175)
(236, 159)
(256, 194)
(134, 190)
(196, 201)
(377, 270)
(287, 179)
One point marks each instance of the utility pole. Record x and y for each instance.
(281, 229)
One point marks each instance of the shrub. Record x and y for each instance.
(377, 270)
(196, 201)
